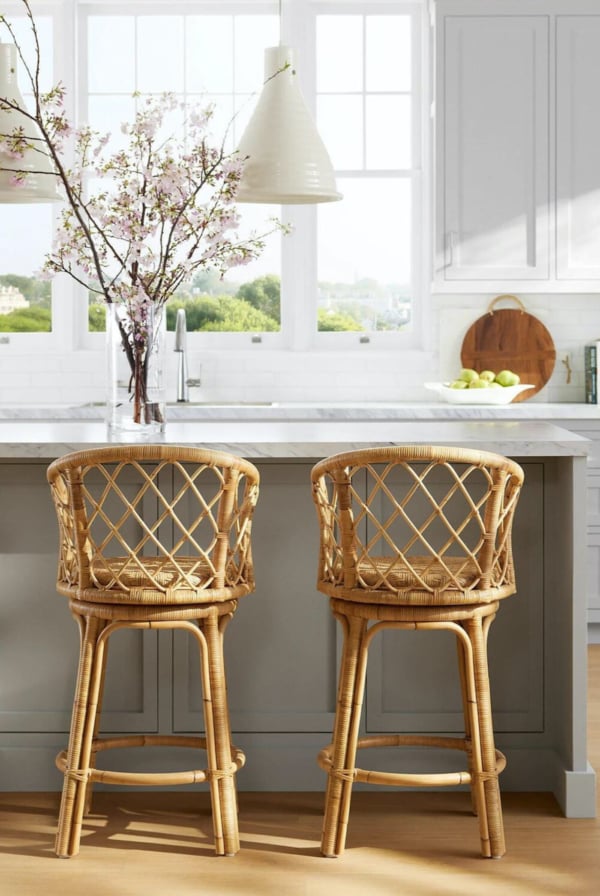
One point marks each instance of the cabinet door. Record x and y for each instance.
(280, 647)
(39, 639)
(413, 682)
(578, 147)
(593, 574)
(493, 148)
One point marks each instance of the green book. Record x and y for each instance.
(591, 358)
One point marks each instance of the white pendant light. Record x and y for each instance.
(287, 161)
(39, 181)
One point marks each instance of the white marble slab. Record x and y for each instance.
(286, 439)
(530, 410)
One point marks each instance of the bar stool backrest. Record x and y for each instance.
(140, 520)
(420, 523)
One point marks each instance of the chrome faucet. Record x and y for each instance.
(180, 348)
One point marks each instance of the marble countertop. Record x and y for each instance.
(301, 439)
(314, 411)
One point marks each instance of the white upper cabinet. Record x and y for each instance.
(495, 177)
(493, 150)
(517, 146)
(578, 147)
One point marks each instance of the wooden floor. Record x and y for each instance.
(414, 844)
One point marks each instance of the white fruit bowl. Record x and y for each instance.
(503, 395)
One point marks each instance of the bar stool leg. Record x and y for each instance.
(223, 623)
(82, 726)
(472, 726)
(345, 736)
(463, 668)
(218, 742)
(87, 804)
(478, 631)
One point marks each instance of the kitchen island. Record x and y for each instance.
(282, 646)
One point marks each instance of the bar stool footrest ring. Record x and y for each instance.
(150, 779)
(407, 779)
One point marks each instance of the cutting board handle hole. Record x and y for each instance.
(506, 296)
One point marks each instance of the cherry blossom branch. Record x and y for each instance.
(165, 207)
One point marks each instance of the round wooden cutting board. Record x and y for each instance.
(510, 339)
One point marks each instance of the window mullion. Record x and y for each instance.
(299, 261)
(298, 282)
(65, 317)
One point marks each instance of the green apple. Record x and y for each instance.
(468, 375)
(488, 375)
(494, 385)
(459, 384)
(508, 378)
(479, 384)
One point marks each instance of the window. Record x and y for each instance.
(26, 230)
(202, 58)
(366, 101)
(349, 275)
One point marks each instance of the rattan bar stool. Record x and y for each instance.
(152, 536)
(415, 537)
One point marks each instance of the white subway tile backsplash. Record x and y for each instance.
(263, 375)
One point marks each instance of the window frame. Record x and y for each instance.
(419, 151)
(208, 340)
(298, 254)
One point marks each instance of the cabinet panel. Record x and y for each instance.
(494, 146)
(577, 146)
(39, 640)
(285, 625)
(593, 569)
(594, 447)
(593, 499)
(409, 688)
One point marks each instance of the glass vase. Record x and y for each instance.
(136, 372)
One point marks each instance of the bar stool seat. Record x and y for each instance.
(152, 537)
(419, 538)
